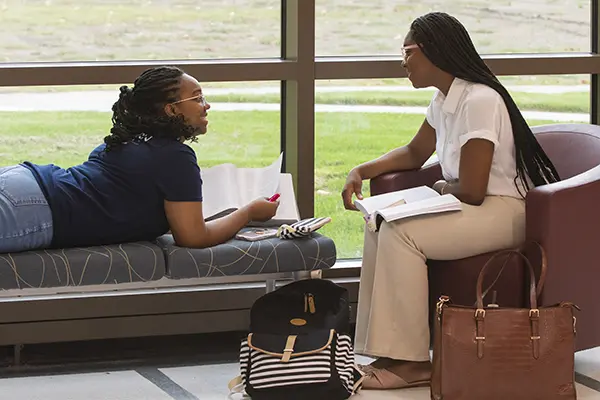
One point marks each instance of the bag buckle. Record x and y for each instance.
(289, 348)
(440, 305)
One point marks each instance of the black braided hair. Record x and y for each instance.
(139, 113)
(447, 44)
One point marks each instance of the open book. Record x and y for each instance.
(407, 203)
(225, 188)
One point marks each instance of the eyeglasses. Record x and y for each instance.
(409, 47)
(199, 98)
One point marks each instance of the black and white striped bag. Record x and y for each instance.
(301, 228)
(299, 346)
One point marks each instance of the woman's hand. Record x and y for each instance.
(262, 209)
(353, 186)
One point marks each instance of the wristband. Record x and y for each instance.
(443, 187)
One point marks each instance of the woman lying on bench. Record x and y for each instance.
(140, 183)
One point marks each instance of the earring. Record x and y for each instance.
(170, 110)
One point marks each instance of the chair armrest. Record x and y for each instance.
(564, 217)
(400, 180)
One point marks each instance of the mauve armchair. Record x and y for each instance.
(564, 217)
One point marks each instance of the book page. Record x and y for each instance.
(219, 189)
(288, 207)
(287, 212)
(258, 182)
(371, 204)
(226, 187)
(431, 205)
(419, 193)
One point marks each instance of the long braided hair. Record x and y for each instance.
(447, 44)
(139, 113)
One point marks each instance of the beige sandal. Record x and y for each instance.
(377, 364)
(382, 379)
(366, 369)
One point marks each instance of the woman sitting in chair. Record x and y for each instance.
(140, 183)
(489, 159)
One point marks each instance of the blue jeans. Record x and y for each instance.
(25, 216)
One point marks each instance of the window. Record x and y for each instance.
(378, 27)
(62, 125)
(357, 121)
(242, 131)
(67, 30)
(351, 126)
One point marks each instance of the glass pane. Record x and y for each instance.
(357, 121)
(377, 27)
(62, 125)
(70, 30)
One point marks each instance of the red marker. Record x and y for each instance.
(274, 197)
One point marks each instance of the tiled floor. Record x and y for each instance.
(208, 382)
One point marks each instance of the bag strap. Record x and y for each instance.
(541, 280)
(236, 385)
(486, 291)
(358, 383)
(534, 290)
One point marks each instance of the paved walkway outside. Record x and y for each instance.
(101, 101)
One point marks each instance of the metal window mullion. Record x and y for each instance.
(595, 81)
(519, 64)
(92, 73)
(298, 100)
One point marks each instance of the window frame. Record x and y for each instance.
(298, 69)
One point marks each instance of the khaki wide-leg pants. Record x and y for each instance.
(393, 316)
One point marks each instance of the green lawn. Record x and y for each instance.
(245, 138)
(70, 30)
(578, 102)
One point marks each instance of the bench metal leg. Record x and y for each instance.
(316, 274)
(271, 285)
(299, 275)
(17, 354)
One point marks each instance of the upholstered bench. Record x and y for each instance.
(145, 289)
(239, 257)
(146, 262)
(123, 263)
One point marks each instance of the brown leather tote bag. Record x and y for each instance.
(497, 353)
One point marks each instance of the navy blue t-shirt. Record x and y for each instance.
(118, 196)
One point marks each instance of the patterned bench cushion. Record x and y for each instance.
(238, 257)
(129, 262)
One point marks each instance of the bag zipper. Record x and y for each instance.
(309, 303)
